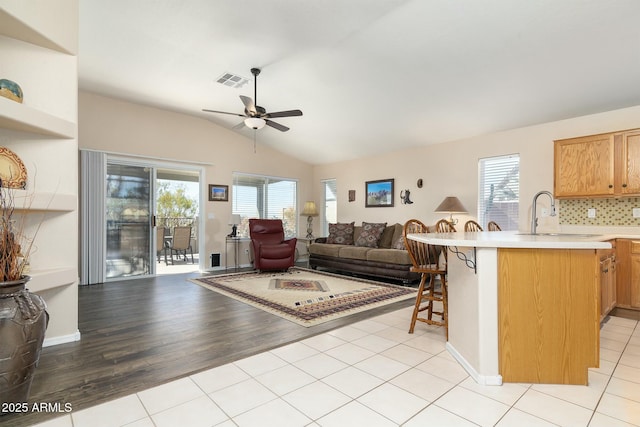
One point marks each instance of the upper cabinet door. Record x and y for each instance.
(628, 175)
(584, 167)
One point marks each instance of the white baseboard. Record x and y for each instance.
(480, 379)
(63, 339)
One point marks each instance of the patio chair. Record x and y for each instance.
(181, 243)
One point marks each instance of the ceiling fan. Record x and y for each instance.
(256, 116)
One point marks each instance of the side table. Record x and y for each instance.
(235, 242)
(307, 242)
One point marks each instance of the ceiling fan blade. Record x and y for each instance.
(223, 112)
(289, 113)
(248, 104)
(276, 125)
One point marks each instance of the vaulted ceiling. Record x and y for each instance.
(370, 76)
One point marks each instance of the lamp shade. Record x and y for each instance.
(451, 204)
(234, 219)
(255, 122)
(310, 209)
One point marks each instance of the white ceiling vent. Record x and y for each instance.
(232, 80)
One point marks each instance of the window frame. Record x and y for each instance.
(258, 206)
(505, 167)
(329, 214)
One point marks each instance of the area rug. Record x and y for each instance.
(304, 296)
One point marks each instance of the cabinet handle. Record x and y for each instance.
(624, 185)
(610, 185)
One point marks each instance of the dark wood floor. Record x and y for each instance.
(142, 333)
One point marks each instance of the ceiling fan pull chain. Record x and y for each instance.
(254, 141)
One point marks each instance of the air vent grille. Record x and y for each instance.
(232, 80)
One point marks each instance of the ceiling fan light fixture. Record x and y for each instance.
(255, 122)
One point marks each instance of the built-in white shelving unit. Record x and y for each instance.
(42, 280)
(26, 201)
(43, 132)
(22, 118)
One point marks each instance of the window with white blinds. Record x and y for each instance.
(265, 197)
(499, 191)
(330, 213)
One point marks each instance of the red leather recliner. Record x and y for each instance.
(270, 250)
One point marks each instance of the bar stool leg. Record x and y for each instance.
(416, 308)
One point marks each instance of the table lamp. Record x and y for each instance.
(310, 211)
(234, 220)
(451, 205)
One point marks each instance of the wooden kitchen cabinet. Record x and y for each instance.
(548, 315)
(608, 291)
(602, 165)
(627, 176)
(628, 273)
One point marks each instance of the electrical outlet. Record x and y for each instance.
(591, 213)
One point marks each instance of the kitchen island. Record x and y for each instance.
(523, 308)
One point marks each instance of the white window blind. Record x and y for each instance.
(330, 213)
(499, 191)
(255, 196)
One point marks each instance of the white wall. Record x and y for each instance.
(452, 169)
(111, 125)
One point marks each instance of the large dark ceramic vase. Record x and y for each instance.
(23, 322)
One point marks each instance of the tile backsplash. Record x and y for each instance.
(608, 211)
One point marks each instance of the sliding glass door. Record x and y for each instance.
(129, 210)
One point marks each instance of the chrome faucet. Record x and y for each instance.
(534, 218)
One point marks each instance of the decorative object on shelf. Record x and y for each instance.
(23, 315)
(218, 193)
(405, 197)
(13, 174)
(379, 193)
(310, 210)
(451, 205)
(234, 220)
(11, 90)
(352, 195)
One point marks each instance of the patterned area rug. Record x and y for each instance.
(306, 297)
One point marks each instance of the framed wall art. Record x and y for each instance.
(218, 193)
(379, 193)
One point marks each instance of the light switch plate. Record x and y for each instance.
(636, 212)
(591, 213)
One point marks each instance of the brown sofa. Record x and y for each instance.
(384, 261)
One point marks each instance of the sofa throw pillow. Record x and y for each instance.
(370, 235)
(341, 233)
(399, 243)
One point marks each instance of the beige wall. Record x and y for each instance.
(111, 125)
(446, 169)
(452, 169)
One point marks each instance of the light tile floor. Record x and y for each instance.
(373, 374)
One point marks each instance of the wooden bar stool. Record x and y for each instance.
(493, 226)
(471, 225)
(425, 260)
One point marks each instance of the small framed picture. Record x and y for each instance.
(379, 193)
(218, 193)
